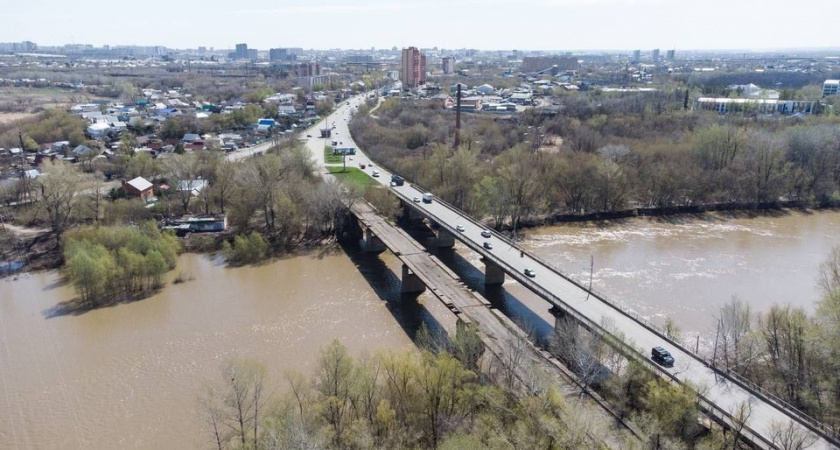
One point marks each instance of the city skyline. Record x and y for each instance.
(493, 24)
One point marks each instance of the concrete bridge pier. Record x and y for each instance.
(565, 334)
(493, 274)
(411, 215)
(371, 243)
(443, 238)
(411, 283)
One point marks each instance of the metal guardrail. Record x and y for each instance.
(799, 416)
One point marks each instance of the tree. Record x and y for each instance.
(790, 436)
(243, 398)
(334, 383)
(180, 172)
(60, 189)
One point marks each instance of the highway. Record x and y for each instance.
(721, 394)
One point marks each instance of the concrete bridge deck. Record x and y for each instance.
(506, 341)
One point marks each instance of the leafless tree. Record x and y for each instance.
(790, 436)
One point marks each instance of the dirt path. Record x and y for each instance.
(23, 231)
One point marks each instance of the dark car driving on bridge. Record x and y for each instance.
(662, 357)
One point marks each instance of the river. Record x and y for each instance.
(686, 268)
(128, 376)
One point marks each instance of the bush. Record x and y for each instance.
(117, 261)
(248, 249)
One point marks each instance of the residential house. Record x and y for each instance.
(138, 187)
(193, 186)
(190, 138)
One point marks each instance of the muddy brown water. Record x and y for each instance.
(128, 376)
(687, 268)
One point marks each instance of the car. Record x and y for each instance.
(488, 245)
(530, 273)
(485, 234)
(308, 135)
(375, 174)
(460, 228)
(662, 357)
(427, 197)
(416, 199)
(397, 180)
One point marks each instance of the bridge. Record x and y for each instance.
(509, 345)
(720, 393)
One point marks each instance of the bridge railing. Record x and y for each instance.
(804, 419)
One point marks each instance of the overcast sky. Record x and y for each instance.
(481, 24)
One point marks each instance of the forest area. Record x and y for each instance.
(607, 154)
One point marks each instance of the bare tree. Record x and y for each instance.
(790, 436)
(736, 343)
(60, 188)
(243, 398)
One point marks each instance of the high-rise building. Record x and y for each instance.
(670, 55)
(831, 87)
(637, 56)
(241, 51)
(413, 71)
(655, 55)
(448, 64)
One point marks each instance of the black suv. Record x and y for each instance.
(662, 357)
(397, 180)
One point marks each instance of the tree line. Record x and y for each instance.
(604, 154)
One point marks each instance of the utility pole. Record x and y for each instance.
(458, 118)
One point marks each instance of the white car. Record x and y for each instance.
(416, 199)
(460, 228)
(375, 174)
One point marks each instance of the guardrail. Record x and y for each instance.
(803, 419)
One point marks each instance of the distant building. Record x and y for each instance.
(831, 87)
(253, 54)
(764, 106)
(281, 54)
(532, 64)
(637, 56)
(359, 59)
(310, 69)
(655, 55)
(670, 55)
(413, 73)
(448, 65)
(241, 52)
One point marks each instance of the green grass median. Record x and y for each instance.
(352, 177)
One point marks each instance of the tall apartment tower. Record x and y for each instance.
(413, 71)
(448, 64)
(656, 55)
(637, 56)
(241, 51)
(670, 54)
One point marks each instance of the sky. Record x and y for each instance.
(479, 24)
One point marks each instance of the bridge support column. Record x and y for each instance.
(493, 274)
(565, 334)
(411, 283)
(371, 243)
(411, 215)
(443, 238)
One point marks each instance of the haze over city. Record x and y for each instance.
(485, 24)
